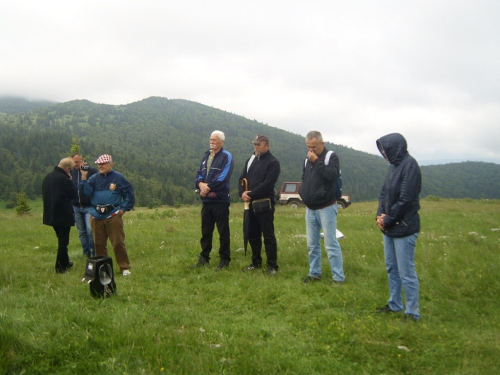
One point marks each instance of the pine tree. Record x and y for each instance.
(75, 147)
(23, 207)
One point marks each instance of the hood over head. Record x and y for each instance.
(394, 146)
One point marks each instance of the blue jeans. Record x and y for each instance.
(325, 218)
(401, 272)
(82, 220)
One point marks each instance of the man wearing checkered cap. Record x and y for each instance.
(111, 195)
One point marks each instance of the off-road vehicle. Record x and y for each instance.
(289, 194)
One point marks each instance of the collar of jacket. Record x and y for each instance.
(264, 155)
(60, 170)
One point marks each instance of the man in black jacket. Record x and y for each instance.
(81, 206)
(57, 192)
(398, 219)
(261, 170)
(318, 192)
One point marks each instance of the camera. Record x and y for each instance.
(84, 167)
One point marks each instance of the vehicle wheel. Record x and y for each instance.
(293, 205)
(340, 205)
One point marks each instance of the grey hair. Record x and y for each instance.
(314, 134)
(66, 163)
(219, 134)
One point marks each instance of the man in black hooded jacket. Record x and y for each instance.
(398, 219)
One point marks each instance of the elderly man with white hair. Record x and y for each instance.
(57, 192)
(212, 182)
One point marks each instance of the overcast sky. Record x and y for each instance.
(354, 70)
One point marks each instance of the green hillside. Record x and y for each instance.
(476, 180)
(158, 144)
(13, 104)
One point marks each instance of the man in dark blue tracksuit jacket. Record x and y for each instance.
(212, 182)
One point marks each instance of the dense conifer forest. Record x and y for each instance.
(158, 143)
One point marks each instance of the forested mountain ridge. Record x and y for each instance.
(13, 104)
(158, 143)
(470, 179)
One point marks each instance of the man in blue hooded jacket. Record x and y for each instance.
(398, 219)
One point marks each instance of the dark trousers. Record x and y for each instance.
(215, 214)
(262, 225)
(62, 260)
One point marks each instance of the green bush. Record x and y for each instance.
(432, 198)
(10, 204)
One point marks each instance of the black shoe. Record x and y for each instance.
(410, 318)
(201, 262)
(311, 278)
(70, 264)
(223, 264)
(271, 271)
(252, 267)
(385, 309)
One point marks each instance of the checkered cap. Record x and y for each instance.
(104, 159)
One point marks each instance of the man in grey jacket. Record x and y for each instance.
(81, 206)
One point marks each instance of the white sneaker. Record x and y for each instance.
(126, 273)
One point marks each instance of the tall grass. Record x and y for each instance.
(169, 319)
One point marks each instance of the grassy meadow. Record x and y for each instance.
(169, 319)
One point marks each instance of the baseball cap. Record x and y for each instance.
(260, 138)
(104, 159)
